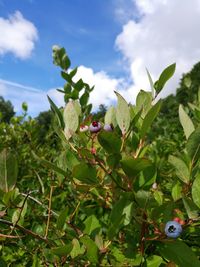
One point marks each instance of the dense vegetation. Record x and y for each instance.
(116, 188)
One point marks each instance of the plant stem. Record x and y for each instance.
(27, 231)
(49, 212)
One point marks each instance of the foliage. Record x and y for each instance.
(6, 110)
(103, 198)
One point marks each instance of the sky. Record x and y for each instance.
(111, 41)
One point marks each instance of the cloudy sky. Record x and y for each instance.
(112, 41)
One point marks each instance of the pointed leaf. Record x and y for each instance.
(154, 261)
(57, 112)
(181, 168)
(178, 252)
(62, 218)
(143, 102)
(186, 122)
(177, 191)
(196, 190)
(63, 250)
(149, 118)
(71, 119)
(164, 77)
(110, 141)
(77, 249)
(49, 165)
(85, 173)
(150, 82)
(193, 145)
(91, 247)
(91, 224)
(191, 209)
(133, 166)
(8, 170)
(122, 113)
(110, 117)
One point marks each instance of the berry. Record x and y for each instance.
(178, 220)
(93, 150)
(173, 229)
(108, 127)
(83, 128)
(95, 127)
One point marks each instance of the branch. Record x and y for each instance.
(27, 231)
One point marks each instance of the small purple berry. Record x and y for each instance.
(108, 127)
(95, 127)
(173, 229)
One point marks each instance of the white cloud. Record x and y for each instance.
(103, 92)
(17, 36)
(166, 33)
(105, 85)
(36, 99)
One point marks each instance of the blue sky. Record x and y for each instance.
(112, 40)
(87, 29)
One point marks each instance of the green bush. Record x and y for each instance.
(100, 193)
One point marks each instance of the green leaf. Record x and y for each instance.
(149, 118)
(154, 261)
(77, 249)
(193, 145)
(186, 122)
(79, 85)
(110, 117)
(164, 77)
(122, 114)
(143, 102)
(143, 198)
(84, 98)
(151, 83)
(113, 160)
(133, 166)
(57, 112)
(120, 215)
(67, 160)
(110, 141)
(19, 213)
(91, 224)
(178, 252)
(8, 170)
(191, 209)
(77, 107)
(63, 250)
(158, 195)
(65, 62)
(71, 119)
(196, 191)
(91, 247)
(177, 191)
(62, 218)
(49, 165)
(85, 173)
(181, 168)
(187, 81)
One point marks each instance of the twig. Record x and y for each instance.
(21, 209)
(49, 212)
(27, 231)
(143, 233)
(40, 203)
(110, 174)
(10, 236)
